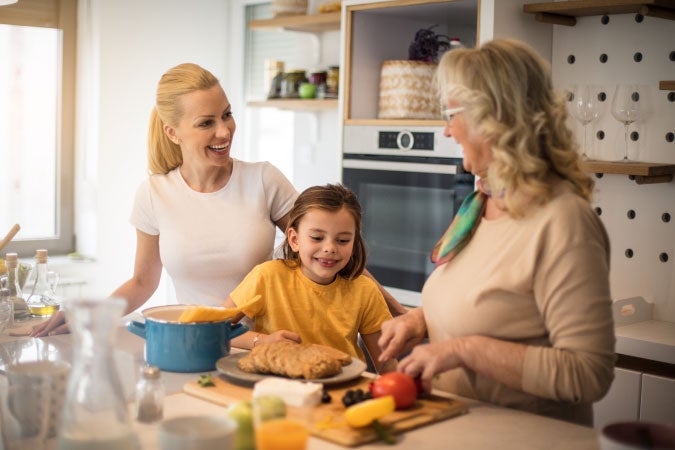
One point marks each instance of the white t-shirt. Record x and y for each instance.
(208, 242)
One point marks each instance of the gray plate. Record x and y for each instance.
(228, 367)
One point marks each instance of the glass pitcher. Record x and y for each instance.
(95, 413)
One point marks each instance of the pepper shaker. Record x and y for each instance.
(149, 395)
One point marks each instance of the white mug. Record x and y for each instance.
(637, 436)
(197, 432)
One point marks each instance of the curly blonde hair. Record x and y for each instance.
(509, 100)
(163, 154)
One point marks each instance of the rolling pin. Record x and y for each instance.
(12, 232)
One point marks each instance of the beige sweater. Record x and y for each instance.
(542, 281)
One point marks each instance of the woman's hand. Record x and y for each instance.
(427, 360)
(56, 324)
(401, 334)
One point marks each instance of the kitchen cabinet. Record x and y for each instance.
(657, 400)
(309, 23)
(622, 402)
(378, 31)
(642, 390)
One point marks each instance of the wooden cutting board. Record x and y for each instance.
(326, 421)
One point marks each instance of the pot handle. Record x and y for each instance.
(237, 330)
(137, 328)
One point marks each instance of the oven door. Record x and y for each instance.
(407, 204)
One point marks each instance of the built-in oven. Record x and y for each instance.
(410, 182)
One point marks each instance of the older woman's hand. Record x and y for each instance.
(427, 360)
(401, 334)
(56, 324)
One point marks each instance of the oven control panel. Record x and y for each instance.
(406, 140)
(393, 140)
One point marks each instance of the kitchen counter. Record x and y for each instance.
(649, 339)
(485, 426)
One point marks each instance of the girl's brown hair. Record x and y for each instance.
(163, 154)
(333, 198)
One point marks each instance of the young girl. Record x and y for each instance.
(316, 294)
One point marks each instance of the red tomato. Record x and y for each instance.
(398, 384)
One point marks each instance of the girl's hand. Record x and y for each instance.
(401, 334)
(56, 324)
(427, 360)
(280, 335)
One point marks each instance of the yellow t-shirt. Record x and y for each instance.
(330, 314)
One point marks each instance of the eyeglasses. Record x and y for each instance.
(449, 113)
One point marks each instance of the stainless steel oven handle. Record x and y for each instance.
(399, 166)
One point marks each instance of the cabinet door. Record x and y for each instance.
(657, 403)
(622, 402)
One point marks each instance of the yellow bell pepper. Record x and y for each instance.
(364, 413)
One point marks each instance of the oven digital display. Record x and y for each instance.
(406, 140)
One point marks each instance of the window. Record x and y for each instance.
(37, 99)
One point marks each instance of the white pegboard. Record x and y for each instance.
(647, 235)
(620, 39)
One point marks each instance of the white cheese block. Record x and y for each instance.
(295, 393)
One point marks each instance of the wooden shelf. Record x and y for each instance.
(396, 122)
(565, 13)
(296, 104)
(315, 23)
(641, 172)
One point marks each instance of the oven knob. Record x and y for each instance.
(405, 140)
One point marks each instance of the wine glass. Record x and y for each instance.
(627, 108)
(585, 107)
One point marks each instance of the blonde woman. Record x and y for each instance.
(518, 309)
(203, 215)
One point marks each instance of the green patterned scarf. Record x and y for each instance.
(461, 229)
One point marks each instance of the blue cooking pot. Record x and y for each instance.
(183, 347)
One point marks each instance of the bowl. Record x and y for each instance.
(197, 432)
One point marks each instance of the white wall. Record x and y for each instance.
(124, 47)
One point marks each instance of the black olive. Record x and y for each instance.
(325, 397)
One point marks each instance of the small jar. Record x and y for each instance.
(149, 395)
(290, 84)
(332, 81)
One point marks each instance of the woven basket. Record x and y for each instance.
(289, 7)
(406, 90)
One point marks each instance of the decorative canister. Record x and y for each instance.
(289, 7)
(406, 90)
(291, 82)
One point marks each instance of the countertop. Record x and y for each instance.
(485, 426)
(649, 339)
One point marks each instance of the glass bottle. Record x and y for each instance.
(19, 305)
(41, 288)
(95, 414)
(6, 309)
(149, 395)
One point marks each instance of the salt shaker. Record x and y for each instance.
(149, 395)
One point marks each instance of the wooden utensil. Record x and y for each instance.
(12, 232)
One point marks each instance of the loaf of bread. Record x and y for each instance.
(308, 361)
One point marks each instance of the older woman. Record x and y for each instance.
(518, 309)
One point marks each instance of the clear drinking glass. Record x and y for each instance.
(627, 107)
(584, 106)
